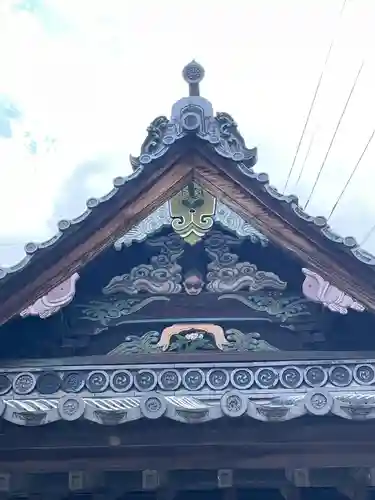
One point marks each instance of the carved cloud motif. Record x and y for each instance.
(226, 274)
(162, 275)
(147, 278)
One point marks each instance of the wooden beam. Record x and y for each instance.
(76, 480)
(120, 483)
(79, 251)
(225, 478)
(84, 480)
(150, 479)
(310, 249)
(172, 358)
(207, 460)
(158, 481)
(228, 446)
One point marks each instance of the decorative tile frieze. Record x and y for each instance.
(189, 392)
(190, 409)
(255, 376)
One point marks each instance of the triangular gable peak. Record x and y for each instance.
(195, 276)
(192, 148)
(192, 214)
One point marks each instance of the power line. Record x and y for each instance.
(334, 136)
(370, 233)
(352, 174)
(367, 235)
(312, 139)
(313, 100)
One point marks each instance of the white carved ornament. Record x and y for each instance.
(54, 300)
(161, 217)
(317, 289)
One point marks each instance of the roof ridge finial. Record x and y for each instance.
(193, 74)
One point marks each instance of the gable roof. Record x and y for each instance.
(192, 144)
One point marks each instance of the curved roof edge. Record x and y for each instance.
(64, 226)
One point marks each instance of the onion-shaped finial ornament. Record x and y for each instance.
(193, 74)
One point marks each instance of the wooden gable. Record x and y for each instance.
(192, 293)
(191, 277)
(193, 146)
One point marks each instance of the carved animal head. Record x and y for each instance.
(62, 293)
(312, 285)
(319, 290)
(193, 283)
(55, 299)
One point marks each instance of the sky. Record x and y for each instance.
(80, 81)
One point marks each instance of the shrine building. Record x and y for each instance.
(193, 334)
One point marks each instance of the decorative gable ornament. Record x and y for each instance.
(227, 274)
(194, 116)
(163, 275)
(317, 289)
(53, 301)
(191, 213)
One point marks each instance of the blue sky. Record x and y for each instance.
(88, 76)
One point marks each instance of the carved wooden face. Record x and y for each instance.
(193, 284)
